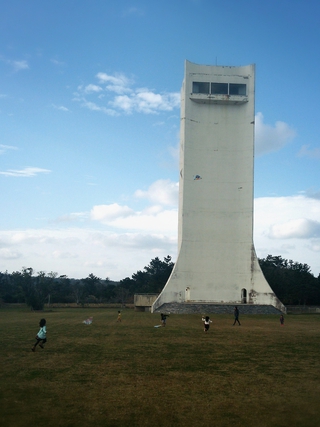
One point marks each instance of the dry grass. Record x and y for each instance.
(132, 374)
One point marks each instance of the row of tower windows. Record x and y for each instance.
(207, 88)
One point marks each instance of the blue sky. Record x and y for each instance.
(89, 116)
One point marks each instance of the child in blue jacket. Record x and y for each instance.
(41, 337)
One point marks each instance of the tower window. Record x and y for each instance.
(219, 88)
(206, 88)
(201, 87)
(237, 89)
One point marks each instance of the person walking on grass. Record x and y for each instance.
(41, 337)
(164, 319)
(281, 320)
(206, 323)
(236, 315)
(119, 316)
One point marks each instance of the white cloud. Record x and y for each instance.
(147, 102)
(72, 217)
(17, 65)
(122, 97)
(133, 11)
(151, 102)
(4, 148)
(20, 65)
(94, 107)
(78, 252)
(61, 107)
(6, 254)
(106, 213)
(119, 82)
(311, 153)
(123, 102)
(92, 88)
(58, 63)
(32, 237)
(25, 173)
(63, 255)
(163, 191)
(149, 221)
(314, 246)
(271, 138)
(153, 219)
(122, 240)
(301, 228)
(290, 227)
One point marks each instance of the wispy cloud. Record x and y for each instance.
(72, 217)
(60, 107)
(91, 88)
(133, 11)
(118, 83)
(24, 173)
(4, 148)
(95, 107)
(116, 94)
(56, 62)
(313, 153)
(17, 65)
(271, 138)
(20, 65)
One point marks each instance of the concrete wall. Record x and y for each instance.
(143, 302)
(202, 309)
(216, 256)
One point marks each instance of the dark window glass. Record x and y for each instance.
(219, 88)
(200, 87)
(237, 89)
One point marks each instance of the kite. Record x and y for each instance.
(88, 321)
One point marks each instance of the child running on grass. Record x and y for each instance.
(206, 322)
(41, 337)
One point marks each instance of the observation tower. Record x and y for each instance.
(217, 263)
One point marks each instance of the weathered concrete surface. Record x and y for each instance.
(143, 302)
(192, 308)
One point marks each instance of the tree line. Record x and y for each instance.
(292, 282)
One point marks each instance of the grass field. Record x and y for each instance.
(132, 374)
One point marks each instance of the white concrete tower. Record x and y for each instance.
(216, 260)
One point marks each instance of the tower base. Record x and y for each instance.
(205, 308)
